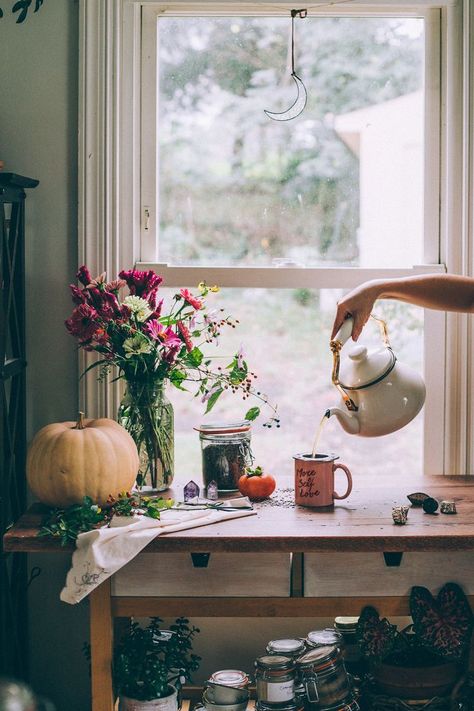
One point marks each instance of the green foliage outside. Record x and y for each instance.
(239, 188)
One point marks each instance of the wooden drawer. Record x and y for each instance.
(227, 574)
(358, 574)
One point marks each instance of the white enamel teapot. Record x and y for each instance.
(379, 394)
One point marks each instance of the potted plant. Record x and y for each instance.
(150, 665)
(427, 658)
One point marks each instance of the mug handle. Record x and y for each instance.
(349, 481)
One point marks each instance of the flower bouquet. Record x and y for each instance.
(150, 346)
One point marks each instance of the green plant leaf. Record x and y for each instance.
(252, 414)
(194, 357)
(176, 378)
(213, 399)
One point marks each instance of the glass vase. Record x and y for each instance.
(147, 414)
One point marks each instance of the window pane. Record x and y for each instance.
(285, 334)
(341, 184)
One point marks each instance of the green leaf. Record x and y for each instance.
(252, 414)
(176, 378)
(213, 399)
(194, 357)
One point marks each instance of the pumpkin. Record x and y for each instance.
(69, 460)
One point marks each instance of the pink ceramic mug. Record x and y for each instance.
(314, 480)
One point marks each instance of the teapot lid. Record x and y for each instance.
(365, 367)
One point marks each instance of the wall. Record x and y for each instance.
(38, 138)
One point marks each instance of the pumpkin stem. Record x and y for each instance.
(80, 422)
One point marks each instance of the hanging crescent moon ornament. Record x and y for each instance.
(298, 106)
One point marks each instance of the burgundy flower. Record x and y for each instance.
(95, 296)
(79, 296)
(187, 296)
(84, 275)
(156, 308)
(171, 353)
(141, 283)
(110, 304)
(83, 322)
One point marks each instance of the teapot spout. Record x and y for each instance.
(348, 422)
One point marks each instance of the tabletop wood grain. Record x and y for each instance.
(362, 522)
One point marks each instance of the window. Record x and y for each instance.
(123, 193)
(276, 212)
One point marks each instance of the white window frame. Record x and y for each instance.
(114, 193)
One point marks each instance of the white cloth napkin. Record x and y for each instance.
(103, 551)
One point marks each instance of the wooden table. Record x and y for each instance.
(362, 524)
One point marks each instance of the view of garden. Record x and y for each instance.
(238, 189)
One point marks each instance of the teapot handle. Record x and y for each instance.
(344, 333)
(337, 343)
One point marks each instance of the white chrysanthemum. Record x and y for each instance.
(136, 345)
(139, 307)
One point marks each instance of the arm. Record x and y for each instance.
(445, 292)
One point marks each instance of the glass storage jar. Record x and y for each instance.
(324, 677)
(275, 677)
(287, 647)
(324, 638)
(230, 677)
(226, 452)
(347, 627)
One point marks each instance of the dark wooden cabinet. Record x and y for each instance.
(13, 573)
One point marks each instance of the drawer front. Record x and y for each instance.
(358, 574)
(227, 574)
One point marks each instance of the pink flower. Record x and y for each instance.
(115, 285)
(141, 283)
(186, 336)
(156, 330)
(83, 322)
(99, 281)
(187, 296)
(84, 275)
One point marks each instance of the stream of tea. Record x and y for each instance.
(324, 418)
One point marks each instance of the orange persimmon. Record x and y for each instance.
(256, 485)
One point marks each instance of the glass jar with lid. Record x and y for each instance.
(323, 638)
(275, 679)
(324, 677)
(287, 647)
(230, 677)
(347, 627)
(226, 452)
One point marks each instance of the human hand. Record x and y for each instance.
(358, 305)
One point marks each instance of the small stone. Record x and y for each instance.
(400, 515)
(448, 507)
(430, 505)
(191, 491)
(212, 491)
(417, 498)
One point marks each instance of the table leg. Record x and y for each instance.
(101, 624)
